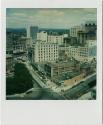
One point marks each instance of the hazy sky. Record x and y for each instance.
(48, 18)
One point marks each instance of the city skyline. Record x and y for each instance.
(48, 18)
(46, 64)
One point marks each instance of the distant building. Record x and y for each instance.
(82, 36)
(74, 34)
(28, 31)
(89, 67)
(20, 46)
(52, 31)
(44, 52)
(92, 46)
(86, 31)
(56, 39)
(33, 32)
(81, 53)
(89, 32)
(51, 38)
(91, 27)
(28, 41)
(12, 37)
(74, 41)
(74, 30)
(9, 42)
(9, 63)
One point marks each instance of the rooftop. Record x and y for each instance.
(68, 75)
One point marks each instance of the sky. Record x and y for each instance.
(48, 18)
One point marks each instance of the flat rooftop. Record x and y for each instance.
(67, 76)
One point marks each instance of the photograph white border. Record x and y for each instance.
(50, 112)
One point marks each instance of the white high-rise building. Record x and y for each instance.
(42, 36)
(44, 52)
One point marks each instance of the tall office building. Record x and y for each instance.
(88, 33)
(33, 32)
(44, 52)
(74, 30)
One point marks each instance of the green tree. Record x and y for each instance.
(21, 82)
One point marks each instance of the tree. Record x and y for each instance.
(21, 82)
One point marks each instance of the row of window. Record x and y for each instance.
(48, 51)
(18, 47)
(47, 59)
(48, 46)
(45, 53)
(50, 56)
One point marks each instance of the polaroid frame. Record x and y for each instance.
(46, 112)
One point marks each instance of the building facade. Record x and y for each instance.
(81, 53)
(55, 70)
(74, 30)
(56, 39)
(44, 52)
(9, 42)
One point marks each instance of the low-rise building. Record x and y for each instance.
(9, 42)
(89, 32)
(51, 38)
(81, 53)
(54, 70)
(88, 68)
(22, 44)
(74, 30)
